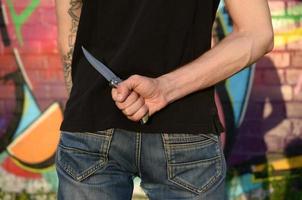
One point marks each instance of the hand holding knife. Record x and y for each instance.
(108, 75)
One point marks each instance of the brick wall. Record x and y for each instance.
(275, 78)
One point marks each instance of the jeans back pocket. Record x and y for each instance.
(195, 162)
(80, 154)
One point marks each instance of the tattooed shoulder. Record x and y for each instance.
(74, 12)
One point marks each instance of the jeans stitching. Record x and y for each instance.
(138, 152)
(79, 150)
(198, 162)
(193, 188)
(190, 137)
(183, 183)
(222, 170)
(106, 133)
(165, 153)
(87, 172)
(192, 144)
(111, 132)
(82, 175)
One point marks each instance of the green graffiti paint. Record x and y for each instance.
(20, 19)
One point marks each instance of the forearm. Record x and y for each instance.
(251, 39)
(232, 54)
(68, 13)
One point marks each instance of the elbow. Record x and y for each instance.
(269, 41)
(264, 40)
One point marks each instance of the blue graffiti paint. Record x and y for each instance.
(30, 113)
(241, 185)
(239, 85)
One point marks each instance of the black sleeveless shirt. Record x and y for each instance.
(146, 37)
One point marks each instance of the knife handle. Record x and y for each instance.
(144, 120)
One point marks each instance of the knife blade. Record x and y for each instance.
(113, 79)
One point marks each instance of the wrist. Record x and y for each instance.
(168, 88)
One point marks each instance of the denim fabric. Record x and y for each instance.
(103, 164)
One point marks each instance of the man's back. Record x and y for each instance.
(149, 38)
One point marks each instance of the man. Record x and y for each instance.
(161, 49)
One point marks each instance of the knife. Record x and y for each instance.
(113, 79)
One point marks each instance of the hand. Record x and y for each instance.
(298, 87)
(138, 96)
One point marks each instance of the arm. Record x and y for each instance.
(68, 14)
(252, 37)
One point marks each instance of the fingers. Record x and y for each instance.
(130, 95)
(139, 114)
(132, 98)
(133, 106)
(120, 93)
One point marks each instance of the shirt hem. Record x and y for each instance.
(194, 128)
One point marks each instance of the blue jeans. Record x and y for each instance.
(102, 165)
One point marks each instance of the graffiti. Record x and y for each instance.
(233, 95)
(29, 136)
(20, 19)
(253, 114)
(3, 29)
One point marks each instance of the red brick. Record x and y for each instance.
(294, 109)
(293, 4)
(296, 59)
(46, 75)
(10, 107)
(273, 77)
(273, 93)
(8, 62)
(292, 75)
(7, 91)
(267, 76)
(1, 48)
(298, 97)
(295, 45)
(54, 61)
(274, 144)
(277, 8)
(31, 47)
(273, 111)
(297, 127)
(281, 129)
(280, 42)
(47, 3)
(58, 91)
(42, 91)
(283, 24)
(47, 15)
(33, 62)
(275, 59)
(50, 47)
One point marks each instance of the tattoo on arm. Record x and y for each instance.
(74, 13)
(67, 58)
